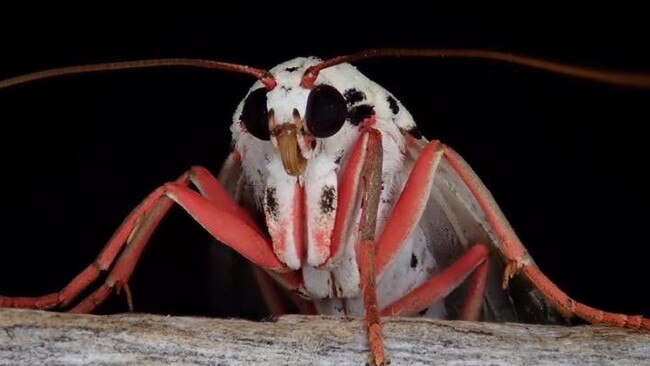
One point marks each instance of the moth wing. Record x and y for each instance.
(454, 221)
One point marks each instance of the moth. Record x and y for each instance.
(332, 192)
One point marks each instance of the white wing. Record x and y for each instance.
(454, 221)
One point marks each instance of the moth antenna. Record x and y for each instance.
(621, 78)
(264, 76)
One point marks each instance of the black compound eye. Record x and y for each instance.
(326, 111)
(255, 116)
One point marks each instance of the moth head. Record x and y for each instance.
(299, 122)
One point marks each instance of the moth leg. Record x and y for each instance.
(104, 260)
(362, 178)
(409, 207)
(275, 297)
(242, 234)
(476, 291)
(405, 216)
(474, 263)
(362, 181)
(520, 262)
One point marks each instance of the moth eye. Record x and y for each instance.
(255, 116)
(326, 111)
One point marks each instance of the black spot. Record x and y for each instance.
(285, 88)
(415, 132)
(360, 113)
(392, 103)
(353, 96)
(414, 260)
(327, 200)
(338, 159)
(423, 311)
(291, 69)
(271, 202)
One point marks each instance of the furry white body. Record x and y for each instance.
(336, 287)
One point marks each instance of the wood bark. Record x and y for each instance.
(46, 338)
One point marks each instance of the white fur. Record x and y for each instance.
(325, 165)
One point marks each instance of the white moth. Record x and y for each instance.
(327, 164)
(452, 221)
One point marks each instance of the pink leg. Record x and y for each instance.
(476, 293)
(350, 191)
(409, 207)
(103, 261)
(361, 185)
(520, 261)
(405, 215)
(362, 178)
(367, 161)
(366, 260)
(242, 235)
(442, 284)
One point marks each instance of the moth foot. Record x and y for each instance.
(511, 270)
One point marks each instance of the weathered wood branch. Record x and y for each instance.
(34, 337)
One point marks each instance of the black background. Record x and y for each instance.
(564, 158)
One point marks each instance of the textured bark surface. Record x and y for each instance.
(33, 337)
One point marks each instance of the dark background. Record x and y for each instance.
(564, 158)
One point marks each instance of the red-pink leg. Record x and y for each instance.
(476, 293)
(361, 182)
(103, 261)
(349, 193)
(403, 219)
(442, 284)
(140, 224)
(366, 260)
(238, 235)
(520, 261)
(409, 207)
(370, 192)
(134, 247)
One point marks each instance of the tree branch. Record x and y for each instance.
(35, 337)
